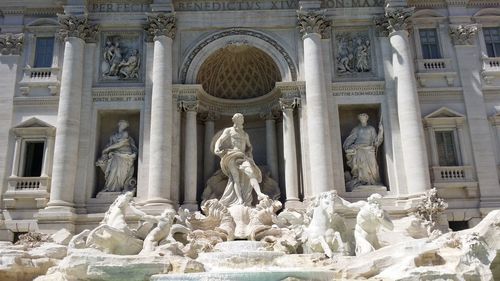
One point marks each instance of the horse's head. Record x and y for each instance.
(325, 201)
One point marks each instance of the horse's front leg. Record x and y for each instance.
(326, 248)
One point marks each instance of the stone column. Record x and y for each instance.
(312, 25)
(161, 29)
(75, 30)
(208, 156)
(394, 23)
(271, 144)
(290, 152)
(469, 65)
(190, 107)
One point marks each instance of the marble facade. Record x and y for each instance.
(293, 68)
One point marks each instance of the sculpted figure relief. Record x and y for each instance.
(353, 53)
(234, 148)
(361, 152)
(117, 160)
(119, 62)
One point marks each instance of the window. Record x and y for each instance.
(492, 41)
(44, 50)
(446, 148)
(429, 43)
(33, 158)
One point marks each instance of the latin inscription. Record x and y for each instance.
(230, 5)
(189, 5)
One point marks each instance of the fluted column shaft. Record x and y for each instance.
(161, 28)
(312, 25)
(290, 153)
(408, 106)
(190, 155)
(271, 144)
(208, 156)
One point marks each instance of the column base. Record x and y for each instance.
(193, 207)
(54, 218)
(294, 204)
(158, 205)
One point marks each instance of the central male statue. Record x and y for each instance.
(235, 151)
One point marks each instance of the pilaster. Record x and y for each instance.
(11, 46)
(464, 39)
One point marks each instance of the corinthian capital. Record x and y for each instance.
(77, 26)
(394, 19)
(160, 24)
(289, 103)
(11, 44)
(187, 103)
(463, 34)
(313, 22)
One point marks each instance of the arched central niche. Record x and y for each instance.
(238, 71)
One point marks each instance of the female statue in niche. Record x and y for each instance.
(117, 160)
(361, 152)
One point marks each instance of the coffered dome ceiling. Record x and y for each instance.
(238, 72)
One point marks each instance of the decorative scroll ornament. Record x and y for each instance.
(271, 114)
(463, 34)
(313, 22)
(160, 24)
(77, 26)
(11, 44)
(209, 116)
(394, 20)
(289, 103)
(187, 103)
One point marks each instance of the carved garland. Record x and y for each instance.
(463, 34)
(313, 22)
(77, 26)
(11, 44)
(160, 24)
(232, 32)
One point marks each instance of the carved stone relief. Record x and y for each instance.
(353, 53)
(121, 57)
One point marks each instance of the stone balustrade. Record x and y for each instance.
(452, 173)
(28, 183)
(39, 77)
(433, 65)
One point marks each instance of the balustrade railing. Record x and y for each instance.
(491, 64)
(452, 174)
(433, 65)
(28, 183)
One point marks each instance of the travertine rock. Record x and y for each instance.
(62, 237)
